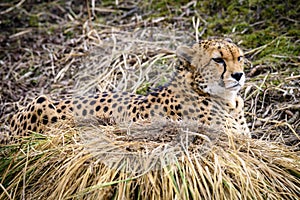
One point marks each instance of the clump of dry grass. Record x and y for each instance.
(173, 160)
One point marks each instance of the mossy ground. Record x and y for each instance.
(62, 48)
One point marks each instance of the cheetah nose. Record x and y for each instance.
(237, 75)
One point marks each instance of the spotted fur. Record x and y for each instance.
(204, 88)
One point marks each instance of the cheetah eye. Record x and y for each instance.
(219, 60)
(240, 58)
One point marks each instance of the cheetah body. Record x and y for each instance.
(204, 88)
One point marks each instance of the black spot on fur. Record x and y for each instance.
(39, 112)
(155, 94)
(191, 110)
(152, 113)
(105, 109)
(54, 119)
(120, 109)
(12, 123)
(205, 102)
(41, 100)
(177, 107)
(85, 101)
(45, 120)
(21, 118)
(33, 118)
(165, 108)
(134, 110)
(98, 108)
(25, 125)
(92, 102)
(179, 115)
(200, 116)
(51, 106)
(145, 100)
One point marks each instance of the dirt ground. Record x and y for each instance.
(60, 48)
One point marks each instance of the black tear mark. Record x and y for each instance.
(222, 76)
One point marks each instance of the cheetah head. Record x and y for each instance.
(216, 66)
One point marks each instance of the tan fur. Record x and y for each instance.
(204, 88)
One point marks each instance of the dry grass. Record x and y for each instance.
(74, 49)
(173, 160)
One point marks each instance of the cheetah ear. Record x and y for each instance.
(185, 54)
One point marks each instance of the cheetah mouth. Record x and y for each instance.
(238, 85)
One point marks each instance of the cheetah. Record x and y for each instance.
(204, 87)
